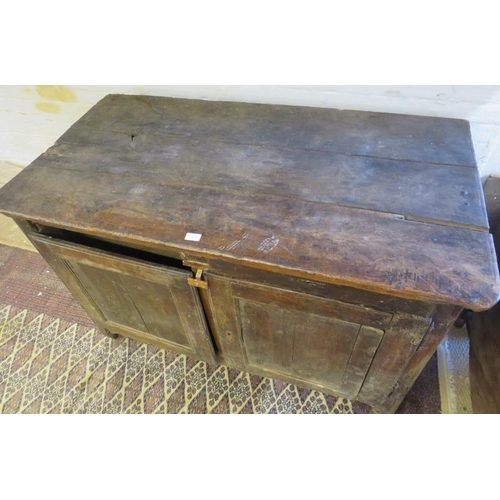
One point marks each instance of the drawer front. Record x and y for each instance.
(142, 300)
(296, 337)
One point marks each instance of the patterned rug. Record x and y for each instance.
(453, 363)
(52, 360)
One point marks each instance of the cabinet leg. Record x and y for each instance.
(464, 319)
(460, 321)
(109, 334)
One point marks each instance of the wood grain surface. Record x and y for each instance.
(385, 203)
(381, 135)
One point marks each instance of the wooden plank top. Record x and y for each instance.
(388, 203)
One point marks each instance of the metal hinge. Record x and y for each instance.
(197, 268)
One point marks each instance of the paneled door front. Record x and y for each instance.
(143, 300)
(294, 336)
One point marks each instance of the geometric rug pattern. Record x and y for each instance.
(453, 362)
(50, 366)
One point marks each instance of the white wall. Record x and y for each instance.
(33, 117)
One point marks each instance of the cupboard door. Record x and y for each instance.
(298, 337)
(143, 300)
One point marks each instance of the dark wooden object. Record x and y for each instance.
(492, 195)
(484, 328)
(336, 247)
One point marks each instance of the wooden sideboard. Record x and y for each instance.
(332, 249)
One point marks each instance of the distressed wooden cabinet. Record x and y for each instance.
(332, 249)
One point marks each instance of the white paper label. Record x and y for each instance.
(192, 237)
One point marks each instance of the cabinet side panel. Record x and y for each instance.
(441, 322)
(393, 355)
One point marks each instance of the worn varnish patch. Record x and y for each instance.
(375, 135)
(418, 191)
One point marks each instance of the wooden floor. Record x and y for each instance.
(10, 234)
